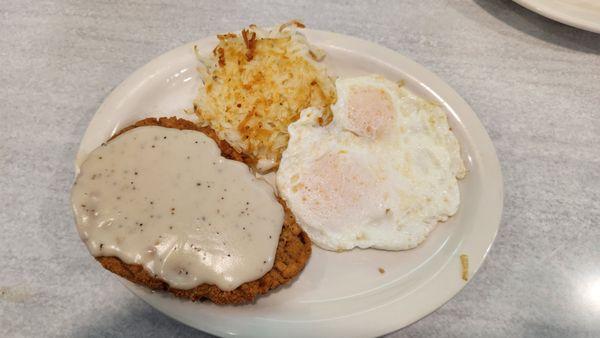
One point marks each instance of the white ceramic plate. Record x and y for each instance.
(338, 294)
(584, 14)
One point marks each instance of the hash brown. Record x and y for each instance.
(256, 83)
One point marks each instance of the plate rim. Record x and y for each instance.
(566, 18)
(443, 93)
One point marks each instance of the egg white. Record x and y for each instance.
(381, 175)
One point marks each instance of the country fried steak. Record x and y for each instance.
(293, 250)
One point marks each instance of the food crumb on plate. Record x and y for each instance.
(381, 270)
(464, 261)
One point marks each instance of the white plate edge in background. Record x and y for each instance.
(554, 11)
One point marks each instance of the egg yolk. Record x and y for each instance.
(337, 184)
(370, 110)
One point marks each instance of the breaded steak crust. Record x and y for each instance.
(293, 250)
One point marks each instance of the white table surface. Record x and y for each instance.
(534, 83)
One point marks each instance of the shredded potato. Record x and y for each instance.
(464, 262)
(256, 84)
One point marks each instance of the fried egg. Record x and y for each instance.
(381, 175)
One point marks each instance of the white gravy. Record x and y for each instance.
(167, 200)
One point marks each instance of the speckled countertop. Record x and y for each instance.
(534, 83)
